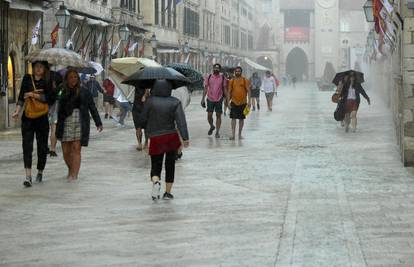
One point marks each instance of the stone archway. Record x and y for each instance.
(297, 64)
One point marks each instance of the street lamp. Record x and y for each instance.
(154, 45)
(63, 16)
(369, 11)
(186, 48)
(124, 32)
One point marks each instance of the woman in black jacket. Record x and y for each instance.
(351, 96)
(35, 87)
(161, 117)
(73, 124)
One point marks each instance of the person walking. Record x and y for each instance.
(239, 98)
(256, 84)
(215, 90)
(162, 116)
(269, 88)
(350, 94)
(56, 81)
(140, 96)
(294, 80)
(123, 104)
(109, 100)
(73, 124)
(35, 96)
(94, 88)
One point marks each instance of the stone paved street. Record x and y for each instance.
(298, 191)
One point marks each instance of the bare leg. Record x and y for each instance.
(254, 103)
(76, 158)
(53, 139)
(218, 124)
(354, 120)
(210, 119)
(241, 124)
(138, 133)
(233, 129)
(258, 103)
(28, 172)
(347, 121)
(67, 149)
(168, 187)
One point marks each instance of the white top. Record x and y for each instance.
(268, 85)
(351, 93)
(119, 96)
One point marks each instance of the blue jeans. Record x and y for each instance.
(125, 107)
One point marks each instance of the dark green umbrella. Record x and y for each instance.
(196, 78)
(145, 77)
(359, 76)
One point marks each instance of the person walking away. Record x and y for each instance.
(256, 84)
(339, 89)
(294, 80)
(351, 95)
(214, 89)
(162, 115)
(109, 100)
(35, 96)
(140, 96)
(73, 126)
(124, 106)
(94, 88)
(55, 81)
(239, 98)
(269, 88)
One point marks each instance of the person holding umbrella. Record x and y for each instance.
(35, 96)
(350, 94)
(161, 117)
(73, 124)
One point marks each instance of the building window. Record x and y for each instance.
(156, 14)
(175, 15)
(129, 4)
(162, 12)
(250, 42)
(191, 22)
(235, 38)
(243, 41)
(227, 37)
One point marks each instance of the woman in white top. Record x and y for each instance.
(269, 88)
(351, 95)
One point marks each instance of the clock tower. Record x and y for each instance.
(326, 34)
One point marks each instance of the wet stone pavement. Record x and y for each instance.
(298, 191)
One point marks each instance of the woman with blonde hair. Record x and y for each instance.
(73, 124)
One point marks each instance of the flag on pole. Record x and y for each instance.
(69, 43)
(115, 49)
(35, 32)
(126, 49)
(141, 51)
(54, 35)
(132, 47)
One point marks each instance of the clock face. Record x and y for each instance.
(326, 3)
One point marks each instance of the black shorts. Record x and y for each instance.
(236, 112)
(255, 93)
(215, 106)
(109, 99)
(135, 117)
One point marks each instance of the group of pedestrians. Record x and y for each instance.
(37, 95)
(239, 94)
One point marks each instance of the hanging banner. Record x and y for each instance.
(54, 35)
(297, 34)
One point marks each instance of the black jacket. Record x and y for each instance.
(358, 91)
(163, 114)
(86, 105)
(94, 87)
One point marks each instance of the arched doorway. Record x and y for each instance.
(297, 64)
(11, 82)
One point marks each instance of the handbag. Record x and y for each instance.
(246, 111)
(335, 97)
(339, 113)
(34, 108)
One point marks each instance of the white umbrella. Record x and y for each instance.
(98, 67)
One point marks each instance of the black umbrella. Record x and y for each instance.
(196, 78)
(86, 70)
(145, 77)
(359, 76)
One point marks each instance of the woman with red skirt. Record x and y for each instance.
(161, 117)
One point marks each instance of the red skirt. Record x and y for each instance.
(351, 105)
(164, 143)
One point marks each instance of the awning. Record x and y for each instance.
(26, 5)
(90, 21)
(168, 51)
(254, 65)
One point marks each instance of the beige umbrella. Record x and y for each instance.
(58, 56)
(121, 68)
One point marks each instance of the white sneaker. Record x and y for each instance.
(156, 189)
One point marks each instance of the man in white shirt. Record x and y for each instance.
(269, 88)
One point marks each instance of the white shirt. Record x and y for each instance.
(351, 93)
(268, 85)
(119, 96)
